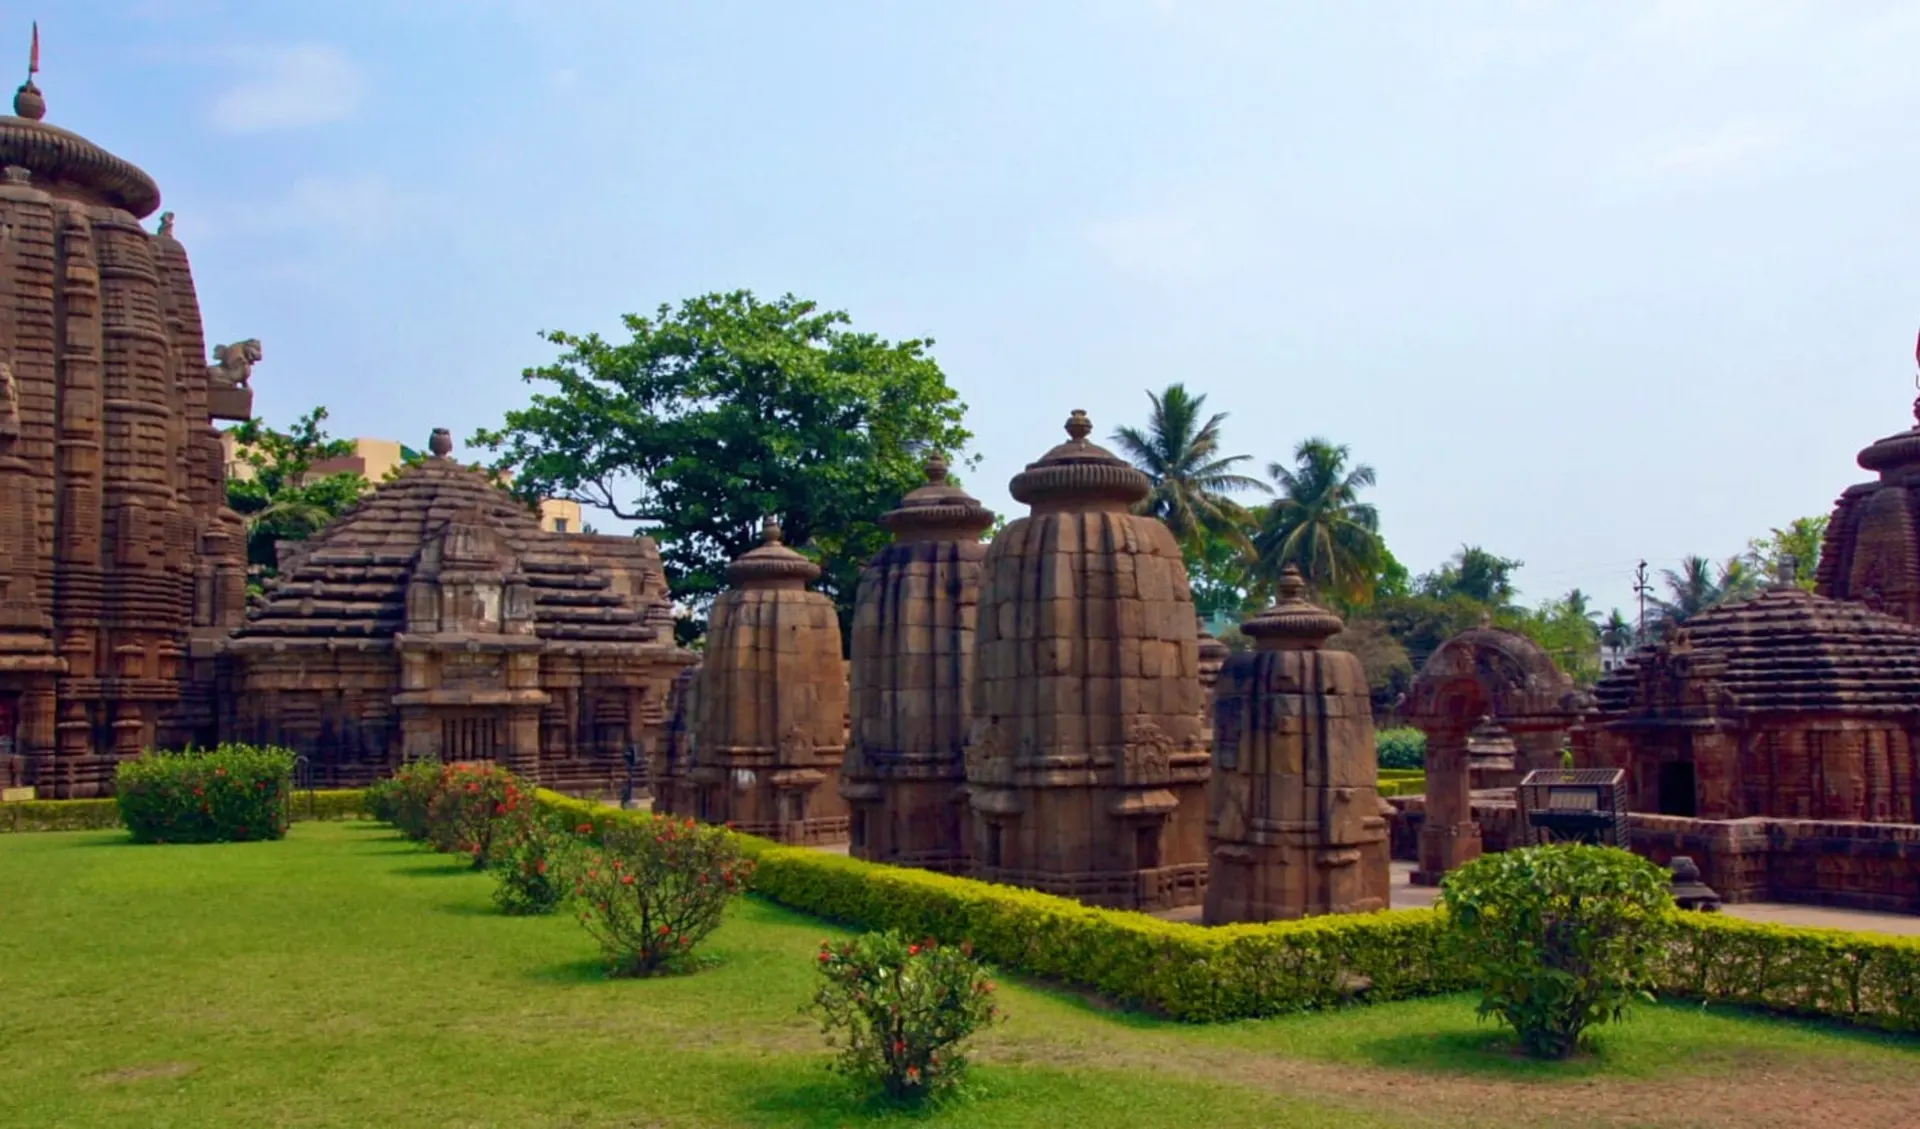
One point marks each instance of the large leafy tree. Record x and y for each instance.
(1179, 451)
(725, 411)
(1474, 574)
(281, 499)
(1801, 539)
(1319, 525)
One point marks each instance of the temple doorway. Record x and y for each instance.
(1676, 788)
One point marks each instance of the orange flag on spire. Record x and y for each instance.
(33, 60)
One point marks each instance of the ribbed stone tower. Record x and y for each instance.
(1871, 553)
(913, 628)
(131, 553)
(771, 727)
(1296, 823)
(1085, 767)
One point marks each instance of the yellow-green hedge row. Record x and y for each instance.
(1241, 971)
(94, 815)
(1184, 971)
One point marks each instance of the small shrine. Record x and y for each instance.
(1086, 771)
(1296, 823)
(913, 630)
(436, 619)
(1871, 552)
(771, 728)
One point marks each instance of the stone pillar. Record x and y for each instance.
(1449, 837)
(913, 630)
(1295, 820)
(773, 703)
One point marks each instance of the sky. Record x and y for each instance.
(1585, 283)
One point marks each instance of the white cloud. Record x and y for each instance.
(290, 87)
(345, 208)
(1735, 143)
(1192, 241)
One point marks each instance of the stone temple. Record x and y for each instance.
(1086, 769)
(435, 618)
(913, 627)
(124, 568)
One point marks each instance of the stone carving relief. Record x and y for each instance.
(1148, 758)
(795, 746)
(987, 759)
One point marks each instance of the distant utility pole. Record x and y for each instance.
(1640, 589)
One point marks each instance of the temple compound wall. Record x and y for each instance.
(437, 619)
(124, 568)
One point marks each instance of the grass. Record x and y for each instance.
(345, 978)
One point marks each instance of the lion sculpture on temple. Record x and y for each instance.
(233, 364)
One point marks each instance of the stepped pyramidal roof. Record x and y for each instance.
(352, 580)
(1785, 650)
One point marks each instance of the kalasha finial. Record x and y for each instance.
(1786, 571)
(27, 102)
(1079, 426)
(936, 468)
(770, 531)
(441, 443)
(1293, 586)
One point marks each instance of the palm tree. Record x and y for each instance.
(1191, 479)
(1318, 523)
(1617, 633)
(1740, 579)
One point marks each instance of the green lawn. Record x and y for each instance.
(343, 977)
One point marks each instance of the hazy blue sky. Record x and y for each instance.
(1585, 282)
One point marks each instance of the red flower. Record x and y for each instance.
(913, 950)
(664, 930)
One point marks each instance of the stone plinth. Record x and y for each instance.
(124, 557)
(1086, 772)
(771, 728)
(913, 628)
(436, 619)
(1296, 823)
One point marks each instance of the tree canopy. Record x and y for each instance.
(1179, 452)
(282, 500)
(1319, 525)
(728, 410)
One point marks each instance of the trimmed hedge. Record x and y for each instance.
(1201, 974)
(103, 814)
(1872, 979)
(1188, 972)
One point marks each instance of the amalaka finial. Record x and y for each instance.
(27, 102)
(441, 443)
(770, 531)
(1079, 426)
(936, 468)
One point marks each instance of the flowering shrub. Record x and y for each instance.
(206, 796)
(402, 799)
(474, 801)
(1560, 937)
(529, 867)
(654, 888)
(903, 1010)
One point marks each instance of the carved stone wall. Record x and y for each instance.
(1296, 823)
(772, 721)
(133, 554)
(1086, 772)
(913, 628)
(673, 754)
